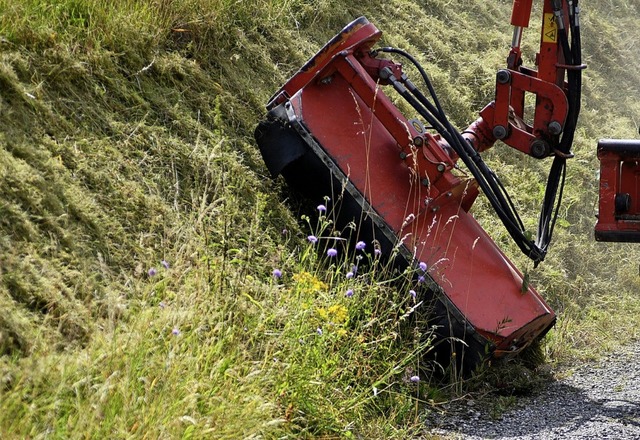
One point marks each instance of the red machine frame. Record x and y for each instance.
(619, 209)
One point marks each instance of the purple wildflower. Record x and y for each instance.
(284, 231)
(277, 273)
(412, 293)
(162, 305)
(319, 331)
(423, 266)
(349, 293)
(313, 239)
(152, 272)
(349, 275)
(322, 208)
(332, 252)
(354, 269)
(165, 264)
(421, 279)
(175, 331)
(377, 252)
(414, 379)
(360, 245)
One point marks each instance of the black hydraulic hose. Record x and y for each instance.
(472, 163)
(575, 74)
(557, 174)
(576, 42)
(486, 178)
(573, 57)
(465, 150)
(422, 72)
(552, 197)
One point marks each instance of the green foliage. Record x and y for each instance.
(126, 140)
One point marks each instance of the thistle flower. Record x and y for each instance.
(332, 252)
(277, 273)
(152, 272)
(423, 266)
(165, 264)
(313, 239)
(322, 208)
(360, 245)
(349, 293)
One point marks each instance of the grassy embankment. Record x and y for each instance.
(127, 142)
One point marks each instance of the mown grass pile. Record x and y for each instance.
(153, 283)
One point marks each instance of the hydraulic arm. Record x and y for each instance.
(556, 85)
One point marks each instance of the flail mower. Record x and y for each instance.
(409, 183)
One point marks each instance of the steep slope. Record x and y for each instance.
(135, 211)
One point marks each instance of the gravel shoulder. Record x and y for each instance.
(596, 401)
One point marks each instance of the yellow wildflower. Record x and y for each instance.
(307, 283)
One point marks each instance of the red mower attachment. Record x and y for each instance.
(619, 209)
(331, 130)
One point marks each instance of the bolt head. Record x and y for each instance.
(499, 132)
(327, 80)
(503, 76)
(539, 149)
(555, 128)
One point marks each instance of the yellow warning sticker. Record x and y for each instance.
(549, 29)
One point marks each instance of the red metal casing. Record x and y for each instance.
(412, 189)
(619, 207)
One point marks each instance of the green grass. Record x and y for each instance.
(127, 140)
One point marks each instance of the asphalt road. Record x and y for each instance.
(597, 401)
